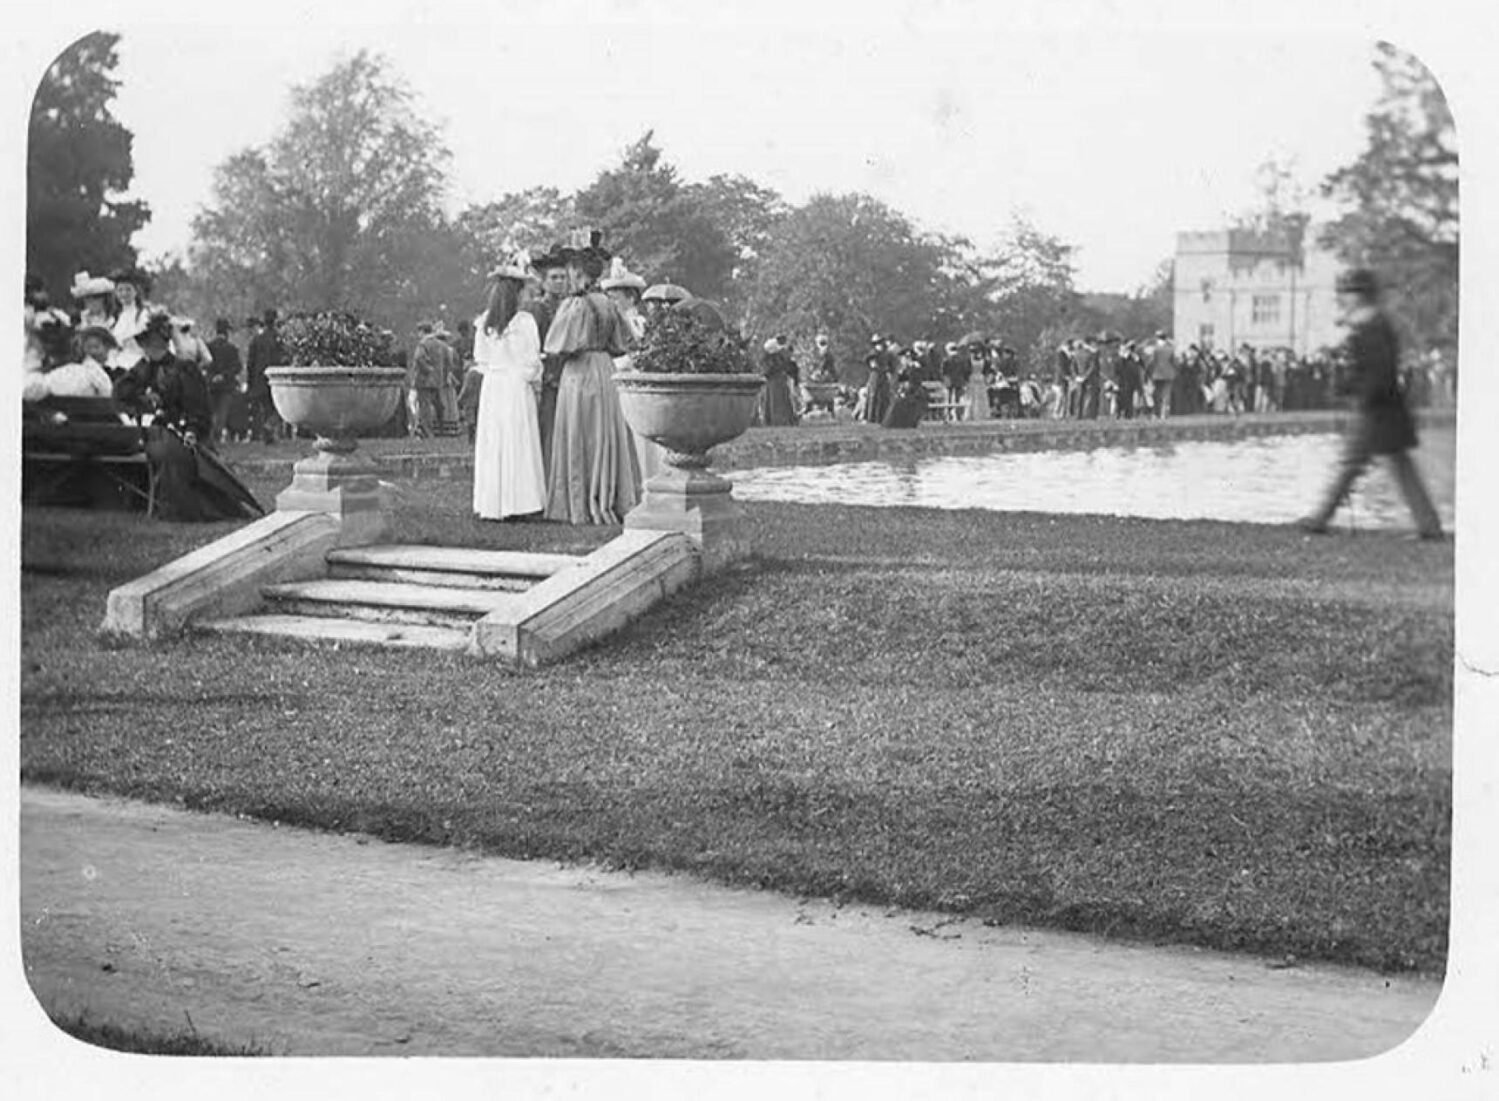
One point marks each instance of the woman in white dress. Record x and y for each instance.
(508, 475)
(624, 288)
(131, 288)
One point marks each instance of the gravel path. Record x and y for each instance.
(321, 944)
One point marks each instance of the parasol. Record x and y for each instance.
(665, 292)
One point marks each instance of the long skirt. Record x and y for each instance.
(878, 397)
(508, 477)
(594, 477)
(191, 485)
(777, 406)
(977, 399)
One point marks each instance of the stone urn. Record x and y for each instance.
(337, 403)
(688, 415)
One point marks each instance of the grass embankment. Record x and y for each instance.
(1225, 735)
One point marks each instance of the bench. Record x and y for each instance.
(83, 452)
(938, 408)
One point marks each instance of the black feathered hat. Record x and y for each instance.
(554, 257)
(576, 249)
(157, 324)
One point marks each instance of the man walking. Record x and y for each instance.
(223, 379)
(1384, 425)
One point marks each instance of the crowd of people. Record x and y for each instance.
(1103, 375)
(531, 380)
(116, 343)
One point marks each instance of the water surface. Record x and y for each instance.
(1264, 479)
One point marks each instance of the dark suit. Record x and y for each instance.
(264, 351)
(1384, 425)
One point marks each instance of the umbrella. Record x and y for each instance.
(704, 311)
(665, 292)
(232, 493)
(972, 338)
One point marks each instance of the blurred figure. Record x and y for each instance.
(1384, 425)
(777, 406)
(223, 374)
(1162, 362)
(265, 351)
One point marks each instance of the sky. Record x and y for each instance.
(1112, 141)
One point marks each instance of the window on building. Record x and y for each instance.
(1205, 335)
(1265, 309)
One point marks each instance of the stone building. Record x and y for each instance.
(1235, 287)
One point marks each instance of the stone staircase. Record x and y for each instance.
(403, 596)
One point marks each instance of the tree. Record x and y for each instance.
(747, 214)
(79, 165)
(1280, 214)
(534, 220)
(1403, 192)
(1029, 279)
(341, 210)
(659, 225)
(849, 266)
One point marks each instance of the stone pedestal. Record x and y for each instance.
(339, 483)
(694, 502)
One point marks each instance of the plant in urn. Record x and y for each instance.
(337, 384)
(690, 387)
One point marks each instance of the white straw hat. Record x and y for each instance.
(621, 276)
(518, 269)
(91, 286)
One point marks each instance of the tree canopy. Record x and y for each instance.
(341, 210)
(1402, 192)
(78, 168)
(663, 226)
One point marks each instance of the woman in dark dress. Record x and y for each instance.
(190, 484)
(910, 405)
(878, 389)
(777, 405)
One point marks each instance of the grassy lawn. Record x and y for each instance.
(145, 1041)
(1224, 735)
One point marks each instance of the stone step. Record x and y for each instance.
(386, 602)
(449, 579)
(454, 560)
(359, 632)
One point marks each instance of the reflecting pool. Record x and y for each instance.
(1265, 479)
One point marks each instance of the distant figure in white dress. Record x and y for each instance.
(509, 479)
